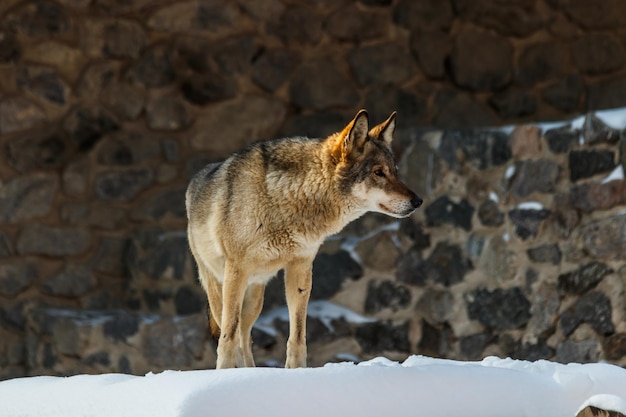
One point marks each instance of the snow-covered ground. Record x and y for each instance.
(418, 386)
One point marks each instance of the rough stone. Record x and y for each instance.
(18, 113)
(189, 301)
(447, 265)
(605, 238)
(518, 18)
(435, 306)
(159, 205)
(109, 257)
(532, 176)
(380, 99)
(395, 64)
(592, 196)
(527, 221)
(544, 309)
(489, 214)
(386, 294)
(500, 309)
(126, 100)
(202, 89)
(74, 280)
(562, 139)
(15, 277)
(513, 102)
(128, 147)
(540, 62)
(431, 50)
(481, 61)
(349, 23)
(240, 122)
(479, 148)
(318, 85)
(564, 94)
(421, 167)
(154, 68)
(44, 83)
(378, 252)
(534, 352)
(120, 325)
(461, 110)
(596, 131)
(124, 184)
(158, 255)
(38, 19)
(168, 113)
(86, 125)
(471, 347)
(123, 38)
(416, 234)
(571, 351)
(593, 308)
(383, 337)
(497, 261)
(597, 53)
(215, 16)
(615, 346)
(262, 10)
(6, 249)
(411, 268)
(607, 93)
(436, 341)
(40, 150)
(40, 239)
(320, 124)
(526, 142)
(603, 14)
(300, 25)
(10, 49)
(584, 278)
(75, 177)
(445, 211)
(548, 253)
(27, 197)
(330, 271)
(423, 15)
(272, 68)
(587, 163)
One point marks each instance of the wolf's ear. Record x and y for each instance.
(384, 131)
(354, 135)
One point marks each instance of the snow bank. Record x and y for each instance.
(380, 387)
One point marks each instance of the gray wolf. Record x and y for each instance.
(270, 207)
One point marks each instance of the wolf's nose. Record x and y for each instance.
(416, 201)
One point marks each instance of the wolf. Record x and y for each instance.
(270, 207)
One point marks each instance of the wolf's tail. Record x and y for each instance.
(214, 327)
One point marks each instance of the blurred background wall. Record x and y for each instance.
(108, 107)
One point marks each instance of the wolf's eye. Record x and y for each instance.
(379, 173)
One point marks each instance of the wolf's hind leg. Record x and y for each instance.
(298, 289)
(252, 306)
(233, 290)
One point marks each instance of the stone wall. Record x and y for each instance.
(108, 107)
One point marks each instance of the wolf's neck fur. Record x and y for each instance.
(317, 206)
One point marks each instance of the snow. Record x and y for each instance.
(325, 311)
(379, 387)
(613, 118)
(616, 174)
(530, 205)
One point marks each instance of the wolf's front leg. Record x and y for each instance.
(298, 289)
(233, 290)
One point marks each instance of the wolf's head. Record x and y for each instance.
(367, 170)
